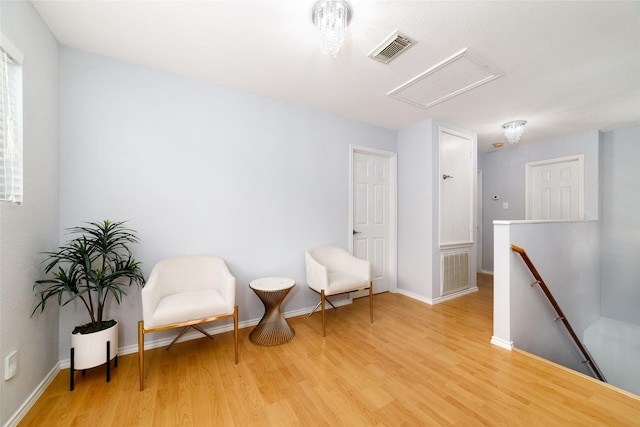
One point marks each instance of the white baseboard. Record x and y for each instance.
(455, 295)
(191, 335)
(130, 349)
(414, 296)
(502, 343)
(162, 342)
(438, 300)
(33, 397)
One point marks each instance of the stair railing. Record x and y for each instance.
(589, 360)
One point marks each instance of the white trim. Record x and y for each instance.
(393, 207)
(212, 330)
(11, 49)
(456, 245)
(529, 167)
(148, 345)
(415, 296)
(454, 295)
(537, 221)
(438, 300)
(492, 74)
(34, 396)
(479, 219)
(508, 345)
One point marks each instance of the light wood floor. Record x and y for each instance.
(416, 365)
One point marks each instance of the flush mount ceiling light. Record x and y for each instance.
(330, 18)
(513, 130)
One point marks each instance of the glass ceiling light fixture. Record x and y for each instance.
(330, 18)
(513, 130)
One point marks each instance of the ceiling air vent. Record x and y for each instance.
(391, 47)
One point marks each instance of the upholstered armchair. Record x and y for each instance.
(332, 271)
(183, 292)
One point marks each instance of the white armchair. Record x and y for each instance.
(332, 271)
(184, 291)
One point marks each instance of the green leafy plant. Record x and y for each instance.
(92, 266)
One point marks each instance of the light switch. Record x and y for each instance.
(10, 365)
(505, 205)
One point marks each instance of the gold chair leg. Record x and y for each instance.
(318, 305)
(322, 298)
(202, 331)
(371, 302)
(141, 353)
(235, 330)
(182, 332)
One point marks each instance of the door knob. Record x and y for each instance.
(356, 232)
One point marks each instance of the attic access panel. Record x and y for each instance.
(453, 76)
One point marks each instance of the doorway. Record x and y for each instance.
(554, 189)
(456, 189)
(479, 226)
(372, 216)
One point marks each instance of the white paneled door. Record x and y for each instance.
(371, 215)
(554, 189)
(456, 189)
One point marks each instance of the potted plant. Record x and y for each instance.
(93, 266)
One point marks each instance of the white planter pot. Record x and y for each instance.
(90, 350)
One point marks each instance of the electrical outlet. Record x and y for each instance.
(10, 365)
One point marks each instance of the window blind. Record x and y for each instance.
(10, 128)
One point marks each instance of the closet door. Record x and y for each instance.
(456, 189)
(555, 189)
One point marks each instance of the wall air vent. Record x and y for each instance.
(391, 47)
(455, 272)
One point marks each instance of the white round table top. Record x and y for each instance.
(272, 284)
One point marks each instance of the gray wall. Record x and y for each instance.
(611, 195)
(199, 168)
(32, 227)
(620, 225)
(566, 256)
(503, 174)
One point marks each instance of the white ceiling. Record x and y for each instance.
(567, 67)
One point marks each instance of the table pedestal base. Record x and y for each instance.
(273, 329)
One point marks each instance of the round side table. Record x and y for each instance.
(273, 328)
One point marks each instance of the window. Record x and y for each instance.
(10, 123)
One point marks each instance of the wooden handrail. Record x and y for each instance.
(589, 360)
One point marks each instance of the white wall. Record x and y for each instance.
(199, 168)
(32, 227)
(620, 222)
(503, 174)
(566, 256)
(417, 155)
(418, 209)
